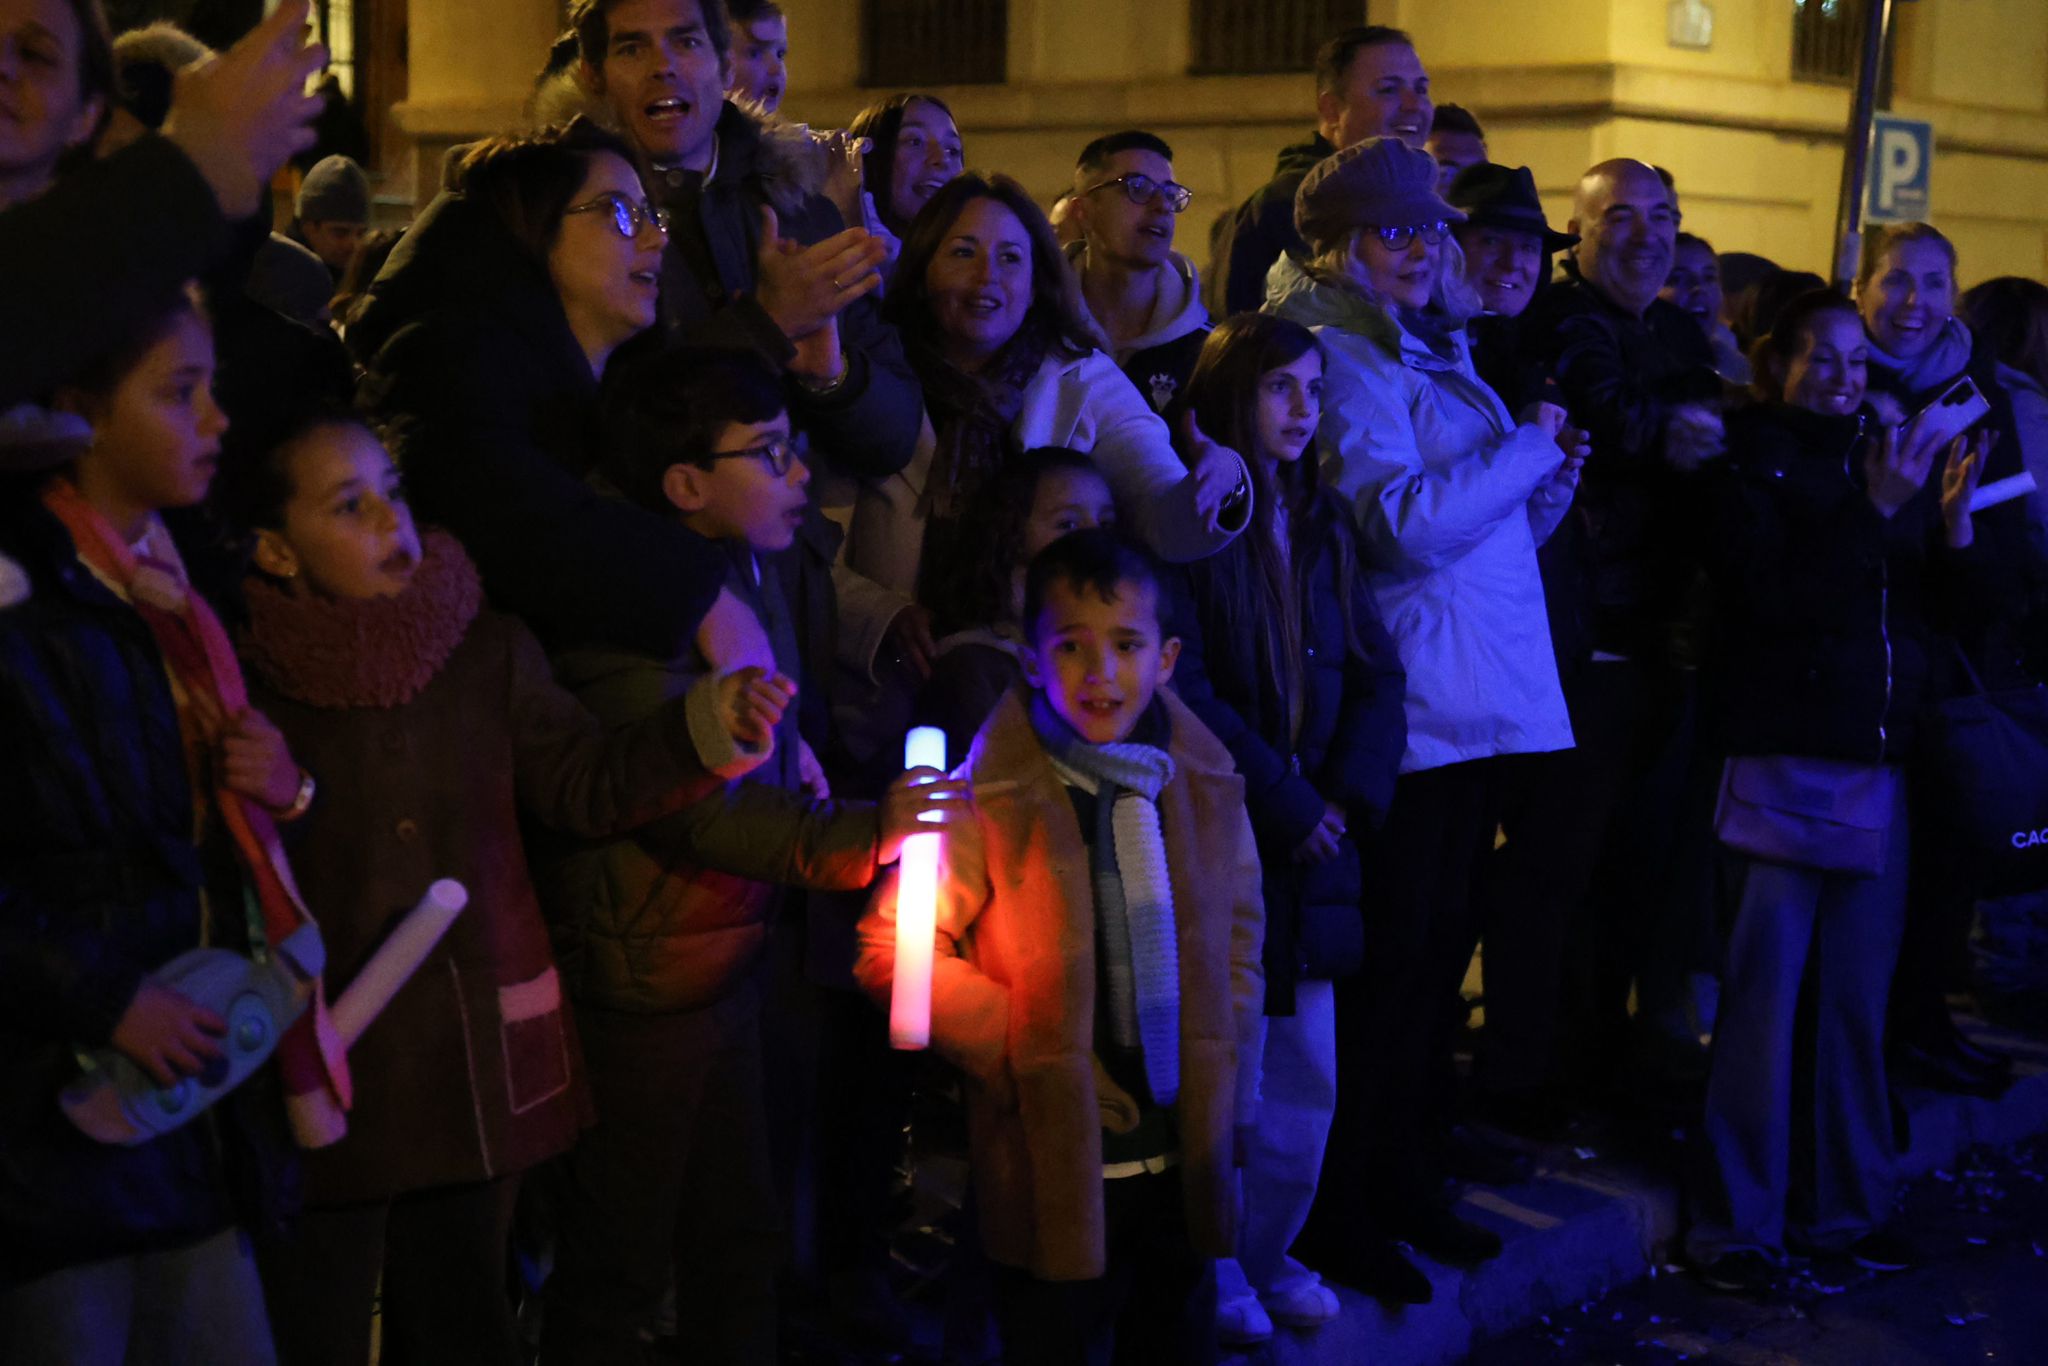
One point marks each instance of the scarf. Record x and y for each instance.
(197, 655)
(337, 653)
(1947, 356)
(1133, 891)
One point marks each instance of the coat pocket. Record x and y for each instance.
(535, 1047)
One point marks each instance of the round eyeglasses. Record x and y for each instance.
(1398, 239)
(1143, 189)
(626, 215)
(778, 455)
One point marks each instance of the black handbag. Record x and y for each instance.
(1986, 765)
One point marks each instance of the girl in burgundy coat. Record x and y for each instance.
(431, 724)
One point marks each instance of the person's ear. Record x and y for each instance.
(1169, 655)
(274, 555)
(1034, 672)
(87, 123)
(684, 487)
(1329, 109)
(590, 77)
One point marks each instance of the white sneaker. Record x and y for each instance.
(1242, 1322)
(1305, 1304)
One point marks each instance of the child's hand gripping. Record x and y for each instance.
(922, 801)
(256, 762)
(167, 1034)
(751, 702)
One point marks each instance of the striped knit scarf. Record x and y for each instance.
(1133, 892)
(196, 652)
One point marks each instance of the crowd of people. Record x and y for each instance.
(1417, 579)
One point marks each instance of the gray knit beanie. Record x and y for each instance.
(335, 191)
(1380, 183)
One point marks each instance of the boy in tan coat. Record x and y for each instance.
(1097, 978)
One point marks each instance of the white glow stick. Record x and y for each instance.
(2002, 491)
(398, 959)
(917, 898)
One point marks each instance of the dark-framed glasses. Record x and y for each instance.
(1398, 239)
(626, 215)
(778, 455)
(1143, 189)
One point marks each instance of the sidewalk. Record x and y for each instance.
(1586, 1225)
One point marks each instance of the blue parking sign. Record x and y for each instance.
(1901, 169)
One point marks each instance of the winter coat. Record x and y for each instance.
(1262, 230)
(2029, 400)
(1347, 749)
(2000, 631)
(671, 917)
(1159, 362)
(1014, 990)
(1825, 607)
(472, 1071)
(94, 255)
(1083, 402)
(102, 882)
(1452, 499)
(1621, 376)
(868, 424)
(495, 417)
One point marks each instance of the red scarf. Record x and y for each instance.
(196, 652)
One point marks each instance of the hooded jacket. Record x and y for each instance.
(1262, 230)
(1159, 362)
(1452, 498)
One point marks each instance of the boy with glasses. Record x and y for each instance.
(659, 936)
(1145, 294)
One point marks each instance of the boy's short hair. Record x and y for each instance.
(1455, 118)
(1095, 156)
(1095, 560)
(1334, 57)
(752, 11)
(671, 408)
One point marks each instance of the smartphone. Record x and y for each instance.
(1954, 411)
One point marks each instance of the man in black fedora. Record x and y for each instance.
(1507, 246)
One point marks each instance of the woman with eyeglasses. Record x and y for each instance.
(487, 336)
(1453, 496)
(993, 322)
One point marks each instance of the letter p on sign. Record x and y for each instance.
(1901, 163)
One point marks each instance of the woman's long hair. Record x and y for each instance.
(880, 123)
(1451, 297)
(1255, 617)
(2010, 315)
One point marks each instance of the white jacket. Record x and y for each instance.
(1083, 402)
(1453, 498)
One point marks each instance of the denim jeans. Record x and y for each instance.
(1798, 1122)
(1297, 1096)
(193, 1306)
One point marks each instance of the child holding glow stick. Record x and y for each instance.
(661, 934)
(432, 723)
(1097, 977)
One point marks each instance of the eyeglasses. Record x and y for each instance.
(1398, 239)
(1143, 189)
(626, 215)
(778, 455)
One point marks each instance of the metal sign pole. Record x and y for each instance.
(1877, 37)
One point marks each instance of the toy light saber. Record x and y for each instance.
(917, 898)
(397, 959)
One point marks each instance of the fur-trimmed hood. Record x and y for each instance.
(790, 165)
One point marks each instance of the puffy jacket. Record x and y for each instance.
(101, 883)
(1347, 749)
(1824, 604)
(1262, 230)
(1452, 499)
(1621, 377)
(496, 420)
(671, 917)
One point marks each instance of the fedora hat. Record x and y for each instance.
(1505, 197)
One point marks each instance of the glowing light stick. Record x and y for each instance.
(398, 958)
(917, 898)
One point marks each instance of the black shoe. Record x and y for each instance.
(1739, 1273)
(1446, 1237)
(1883, 1250)
(1470, 1155)
(1941, 1069)
(1376, 1267)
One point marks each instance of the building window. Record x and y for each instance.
(1827, 38)
(1248, 37)
(910, 44)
